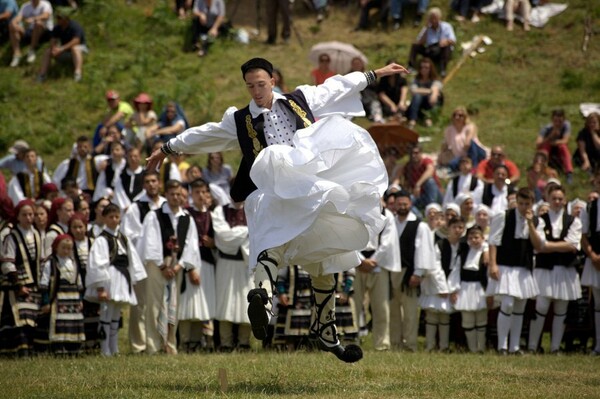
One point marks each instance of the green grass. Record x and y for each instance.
(304, 375)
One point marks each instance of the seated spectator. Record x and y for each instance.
(365, 9)
(27, 183)
(368, 96)
(119, 112)
(390, 157)
(435, 41)
(426, 93)
(322, 71)
(143, 119)
(66, 45)
(280, 86)
(460, 139)
(553, 139)
(393, 93)
(15, 160)
(588, 144)
(397, 6)
(114, 134)
(539, 173)
(218, 172)
(524, 8)
(8, 11)
(485, 169)
(463, 7)
(171, 122)
(418, 176)
(182, 7)
(32, 26)
(207, 21)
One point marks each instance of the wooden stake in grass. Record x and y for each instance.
(222, 376)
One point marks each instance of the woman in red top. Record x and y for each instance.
(322, 72)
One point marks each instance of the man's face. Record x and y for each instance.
(465, 166)
(403, 205)
(117, 152)
(500, 176)
(174, 197)
(30, 160)
(556, 200)
(201, 196)
(434, 20)
(523, 205)
(558, 121)
(112, 220)
(134, 158)
(475, 239)
(497, 155)
(456, 231)
(83, 148)
(151, 185)
(260, 86)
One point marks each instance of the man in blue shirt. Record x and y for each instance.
(435, 41)
(8, 10)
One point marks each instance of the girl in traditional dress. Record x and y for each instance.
(19, 294)
(61, 289)
(81, 251)
(114, 266)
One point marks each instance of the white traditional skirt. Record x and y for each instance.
(198, 302)
(470, 297)
(117, 287)
(560, 282)
(517, 282)
(436, 303)
(590, 276)
(434, 283)
(319, 198)
(233, 282)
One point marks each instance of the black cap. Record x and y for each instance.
(257, 63)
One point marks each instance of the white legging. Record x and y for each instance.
(542, 305)
(110, 314)
(510, 322)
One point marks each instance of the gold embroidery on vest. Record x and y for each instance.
(301, 113)
(88, 174)
(253, 135)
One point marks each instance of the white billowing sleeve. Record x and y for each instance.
(190, 257)
(150, 241)
(14, 191)
(574, 234)
(130, 225)
(227, 239)
(60, 172)
(136, 267)
(497, 229)
(102, 188)
(210, 137)
(99, 261)
(387, 253)
(424, 249)
(340, 94)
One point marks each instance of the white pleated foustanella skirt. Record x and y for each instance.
(233, 282)
(590, 276)
(471, 297)
(118, 288)
(320, 199)
(560, 282)
(198, 302)
(517, 282)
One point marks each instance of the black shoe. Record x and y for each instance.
(502, 352)
(257, 312)
(348, 354)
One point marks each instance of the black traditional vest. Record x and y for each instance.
(90, 170)
(119, 261)
(593, 235)
(234, 217)
(472, 275)
(109, 172)
(471, 186)
(138, 183)
(167, 231)
(549, 260)
(514, 252)
(144, 208)
(251, 137)
(24, 182)
(407, 249)
(446, 251)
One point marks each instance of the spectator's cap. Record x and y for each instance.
(143, 98)
(18, 146)
(64, 12)
(112, 95)
(257, 63)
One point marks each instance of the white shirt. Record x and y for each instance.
(28, 11)
(499, 202)
(573, 236)
(497, 228)
(131, 224)
(386, 246)
(15, 191)
(464, 186)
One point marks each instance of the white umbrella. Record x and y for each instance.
(341, 55)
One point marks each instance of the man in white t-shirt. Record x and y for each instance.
(32, 25)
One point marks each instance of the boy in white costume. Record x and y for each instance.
(312, 195)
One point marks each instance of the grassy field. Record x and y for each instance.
(304, 375)
(511, 88)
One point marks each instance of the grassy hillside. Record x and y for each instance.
(513, 86)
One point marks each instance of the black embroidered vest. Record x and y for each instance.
(548, 260)
(407, 249)
(167, 231)
(471, 186)
(138, 183)
(514, 252)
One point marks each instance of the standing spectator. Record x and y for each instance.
(37, 15)
(393, 93)
(418, 176)
(485, 169)
(67, 44)
(426, 93)
(460, 139)
(524, 7)
(281, 7)
(553, 140)
(207, 21)
(322, 71)
(397, 6)
(435, 41)
(217, 172)
(8, 10)
(588, 144)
